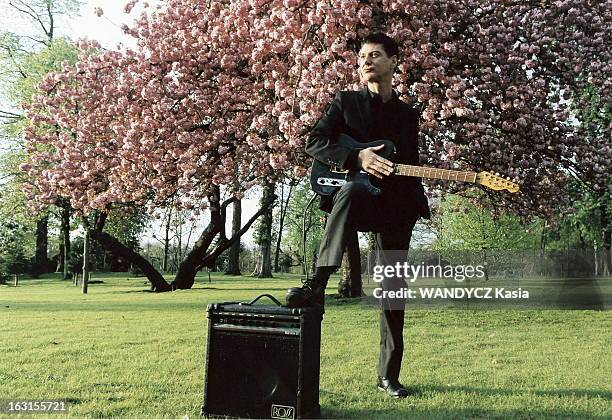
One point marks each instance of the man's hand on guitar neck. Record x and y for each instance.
(369, 161)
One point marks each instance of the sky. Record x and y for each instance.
(105, 29)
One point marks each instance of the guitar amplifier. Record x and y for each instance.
(262, 361)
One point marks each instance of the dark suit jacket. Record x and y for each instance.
(349, 113)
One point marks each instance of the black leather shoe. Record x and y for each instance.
(310, 294)
(392, 387)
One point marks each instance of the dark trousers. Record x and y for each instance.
(356, 209)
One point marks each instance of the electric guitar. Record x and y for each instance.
(325, 180)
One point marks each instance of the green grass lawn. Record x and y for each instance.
(121, 351)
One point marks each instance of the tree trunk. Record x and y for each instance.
(59, 268)
(41, 261)
(350, 284)
(106, 262)
(200, 256)
(63, 265)
(65, 234)
(86, 261)
(178, 255)
(485, 263)
(283, 211)
(256, 261)
(313, 266)
(167, 242)
(372, 255)
(189, 267)
(265, 269)
(595, 259)
(606, 239)
(233, 265)
(158, 283)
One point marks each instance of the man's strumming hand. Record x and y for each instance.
(369, 161)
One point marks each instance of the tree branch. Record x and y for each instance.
(30, 11)
(223, 245)
(8, 114)
(34, 39)
(11, 55)
(51, 21)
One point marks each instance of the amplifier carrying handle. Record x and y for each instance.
(272, 298)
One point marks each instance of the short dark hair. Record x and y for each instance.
(390, 46)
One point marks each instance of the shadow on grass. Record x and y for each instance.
(589, 393)
(124, 292)
(396, 407)
(112, 307)
(458, 413)
(246, 289)
(198, 288)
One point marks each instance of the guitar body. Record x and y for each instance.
(326, 180)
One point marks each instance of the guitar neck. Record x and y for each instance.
(435, 173)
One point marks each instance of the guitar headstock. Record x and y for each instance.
(496, 182)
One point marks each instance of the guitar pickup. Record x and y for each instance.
(331, 182)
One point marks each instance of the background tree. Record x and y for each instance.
(350, 284)
(463, 226)
(279, 226)
(168, 235)
(263, 235)
(585, 227)
(595, 200)
(24, 60)
(64, 212)
(40, 14)
(506, 239)
(233, 261)
(128, 226)
(17, 227)
(297, 213)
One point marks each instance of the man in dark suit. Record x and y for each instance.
(373, 113)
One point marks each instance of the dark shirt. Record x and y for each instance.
(385, 122)
(385, 117)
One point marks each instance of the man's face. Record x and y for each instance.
(374, 64)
